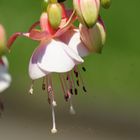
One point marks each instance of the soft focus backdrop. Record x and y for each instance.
(110, 110)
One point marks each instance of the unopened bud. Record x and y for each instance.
(2, 41)
(87, 11)
(54, 14)
(93, 38)
(45, 4)
(106, 3)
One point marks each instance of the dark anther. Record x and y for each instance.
(49, 100)
(77, 83)
(84, 69)
(76, 74)
(84, 89)
(76, 91)
(71, 91)
(67, 77)
(1, 106)
(43, 86)
(66, 97)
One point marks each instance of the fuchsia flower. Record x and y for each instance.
(62, 46)
(5, 78)
(52, 55)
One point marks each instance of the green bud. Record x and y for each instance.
(87, 11)
(106, 3)
(54, 14)
(93, 38)
(45, 4)
(3, 48)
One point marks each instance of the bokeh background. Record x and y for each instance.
(110, 110)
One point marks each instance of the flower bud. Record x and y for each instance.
(54, 14)
(94, 38)
(106, 3)
(45, 5)
(87, 11)
(2, 41)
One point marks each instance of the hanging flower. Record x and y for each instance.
(62, 46)
(52, 55)
(5, 78)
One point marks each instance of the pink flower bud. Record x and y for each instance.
(87, 11)
(94, 38)
(2, 40)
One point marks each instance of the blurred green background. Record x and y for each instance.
(110, 110)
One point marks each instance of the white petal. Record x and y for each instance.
(5, 78)
(34, 71)
(73, 55)
(57, 57)
(77, 45)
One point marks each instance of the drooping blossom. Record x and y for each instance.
(62, 46)
(52, 55)
(5, 78)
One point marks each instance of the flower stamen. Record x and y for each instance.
(72, 110)
(44, 84)
(31, 90)
(84, 69)
(70, 83)
(74, 86)
(53, 130)
(81, 79)
(62, 85)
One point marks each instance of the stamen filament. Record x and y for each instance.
(62, 85)
(70, 83)
(75, 89)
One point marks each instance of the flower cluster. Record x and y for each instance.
(62, 45)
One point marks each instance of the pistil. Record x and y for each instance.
(52, 102)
